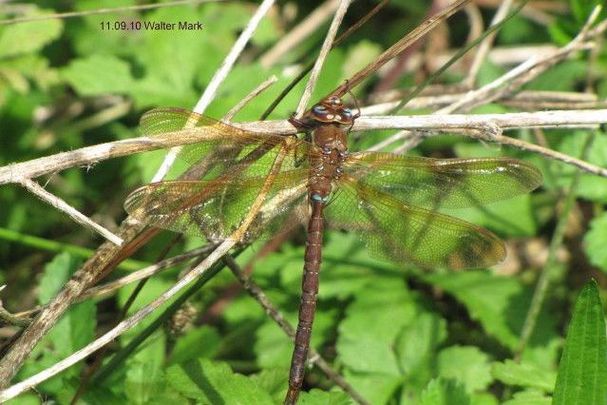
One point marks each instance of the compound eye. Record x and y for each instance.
(346, 113)
(319, 109)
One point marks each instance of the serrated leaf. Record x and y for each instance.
(595, 241)
(29, 37)
(444, 392)
(98, 74)
(582, 375)
(529, 397)
(524, 374)
(215, 383)
(467, 365)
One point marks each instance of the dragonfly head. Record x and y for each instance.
(332, 110)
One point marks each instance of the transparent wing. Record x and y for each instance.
(396, 231)
(215, 209)
(223, 146)
(448, 183)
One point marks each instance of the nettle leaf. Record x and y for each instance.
(98, 74)
(524, 374)
(444, 392)
(211, 382)
(582, 375)
(468, 365)
(595, 241)
(29, 37)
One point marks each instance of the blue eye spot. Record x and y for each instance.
(319, 109)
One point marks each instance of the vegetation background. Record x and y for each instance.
(398, 335)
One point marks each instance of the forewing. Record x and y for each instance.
(396, 231)
(223, 146)
(215, 209)
(443, 183)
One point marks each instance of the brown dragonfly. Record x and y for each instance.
(391, 200)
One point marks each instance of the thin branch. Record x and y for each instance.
(119, 329)
(15, 172)
(396, 49)
(322, 56)
(242, 103)
(298, 33)
(525, 72)
(313, 357)
(485, 46)
(71, 212)
(144, 273)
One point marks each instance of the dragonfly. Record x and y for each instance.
(392, 201)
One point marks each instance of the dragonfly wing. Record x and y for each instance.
(396, 231)
(443, 183)
(222, 145)
(215, 209)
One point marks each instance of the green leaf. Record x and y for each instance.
(56, 273)
(74, 330)
(467, 365)
(590, 186)
(370, 349)
(595, 241)
(524, 375)
(215, 383)
(416, 348)
(530, 397)
(98, 74)
(444, 392)
(582, 375)
(318, 397)
(29, 37)
(196, 343)
(369, 335)
(144, 377)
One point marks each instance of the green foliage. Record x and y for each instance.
(524, 375)
(596, 240)
(213, 382)
(582, 376)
